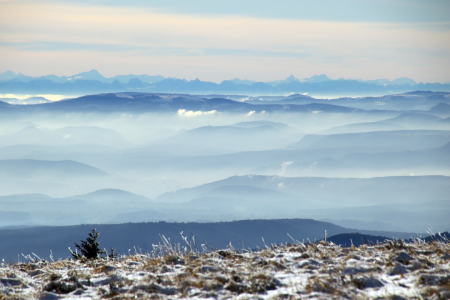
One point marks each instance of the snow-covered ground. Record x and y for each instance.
(393, 270)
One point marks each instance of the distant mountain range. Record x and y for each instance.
(94, 82)
(144, 102)
(90, 75)
(138, 103)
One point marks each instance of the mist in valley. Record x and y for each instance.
(211, 149)
(131, 157)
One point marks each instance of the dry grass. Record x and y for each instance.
(319, 271)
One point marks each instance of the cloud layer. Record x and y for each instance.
(64, 38)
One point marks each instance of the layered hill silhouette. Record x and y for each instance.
(139, 103)
(258, 135)
(26, 168)
(377, 189)
(51, 151)
(441, 109)
(396, 140)
(389, 200)
(142, 102)
(59, 153)
(98, 206)
(410, 121)
(438, 158)
(33, 135)
(111, 197)
(353, 157)
(417, 119)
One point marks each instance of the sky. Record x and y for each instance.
(218, 40)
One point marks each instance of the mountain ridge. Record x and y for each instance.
(93, 81)
(33, 167)
(93, 74)
(151, 102)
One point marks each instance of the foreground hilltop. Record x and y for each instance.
(393, 270)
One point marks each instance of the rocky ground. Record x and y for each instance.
(393, 270)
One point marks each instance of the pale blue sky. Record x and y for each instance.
(218, 40)
(411, 11)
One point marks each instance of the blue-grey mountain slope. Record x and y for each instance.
(331, 191)
(363, 127)
(258, 135)
(416, 100)
(413, 161)
(33, 135)
(111, 197)
(27, 168)
(440, 109)
(378, 141)
(391, 201)
(413, 216)
(409, 120)
(96, 207)
(48, 152)
(140, 103)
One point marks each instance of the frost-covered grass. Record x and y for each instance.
(324, 270)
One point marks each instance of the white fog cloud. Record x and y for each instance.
(285, 164)
(189, 113)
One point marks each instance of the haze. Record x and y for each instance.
(135, 157)
(114, 112)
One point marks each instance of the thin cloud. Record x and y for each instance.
(42, 34)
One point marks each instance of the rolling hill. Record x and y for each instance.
(26, 168)
(403, 187)
(65, 136)
(98, 206)
(440, 109)
(139, 103)
(378, 141)
(246, 136)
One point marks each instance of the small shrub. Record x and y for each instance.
(90, 247)
(112, 253)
